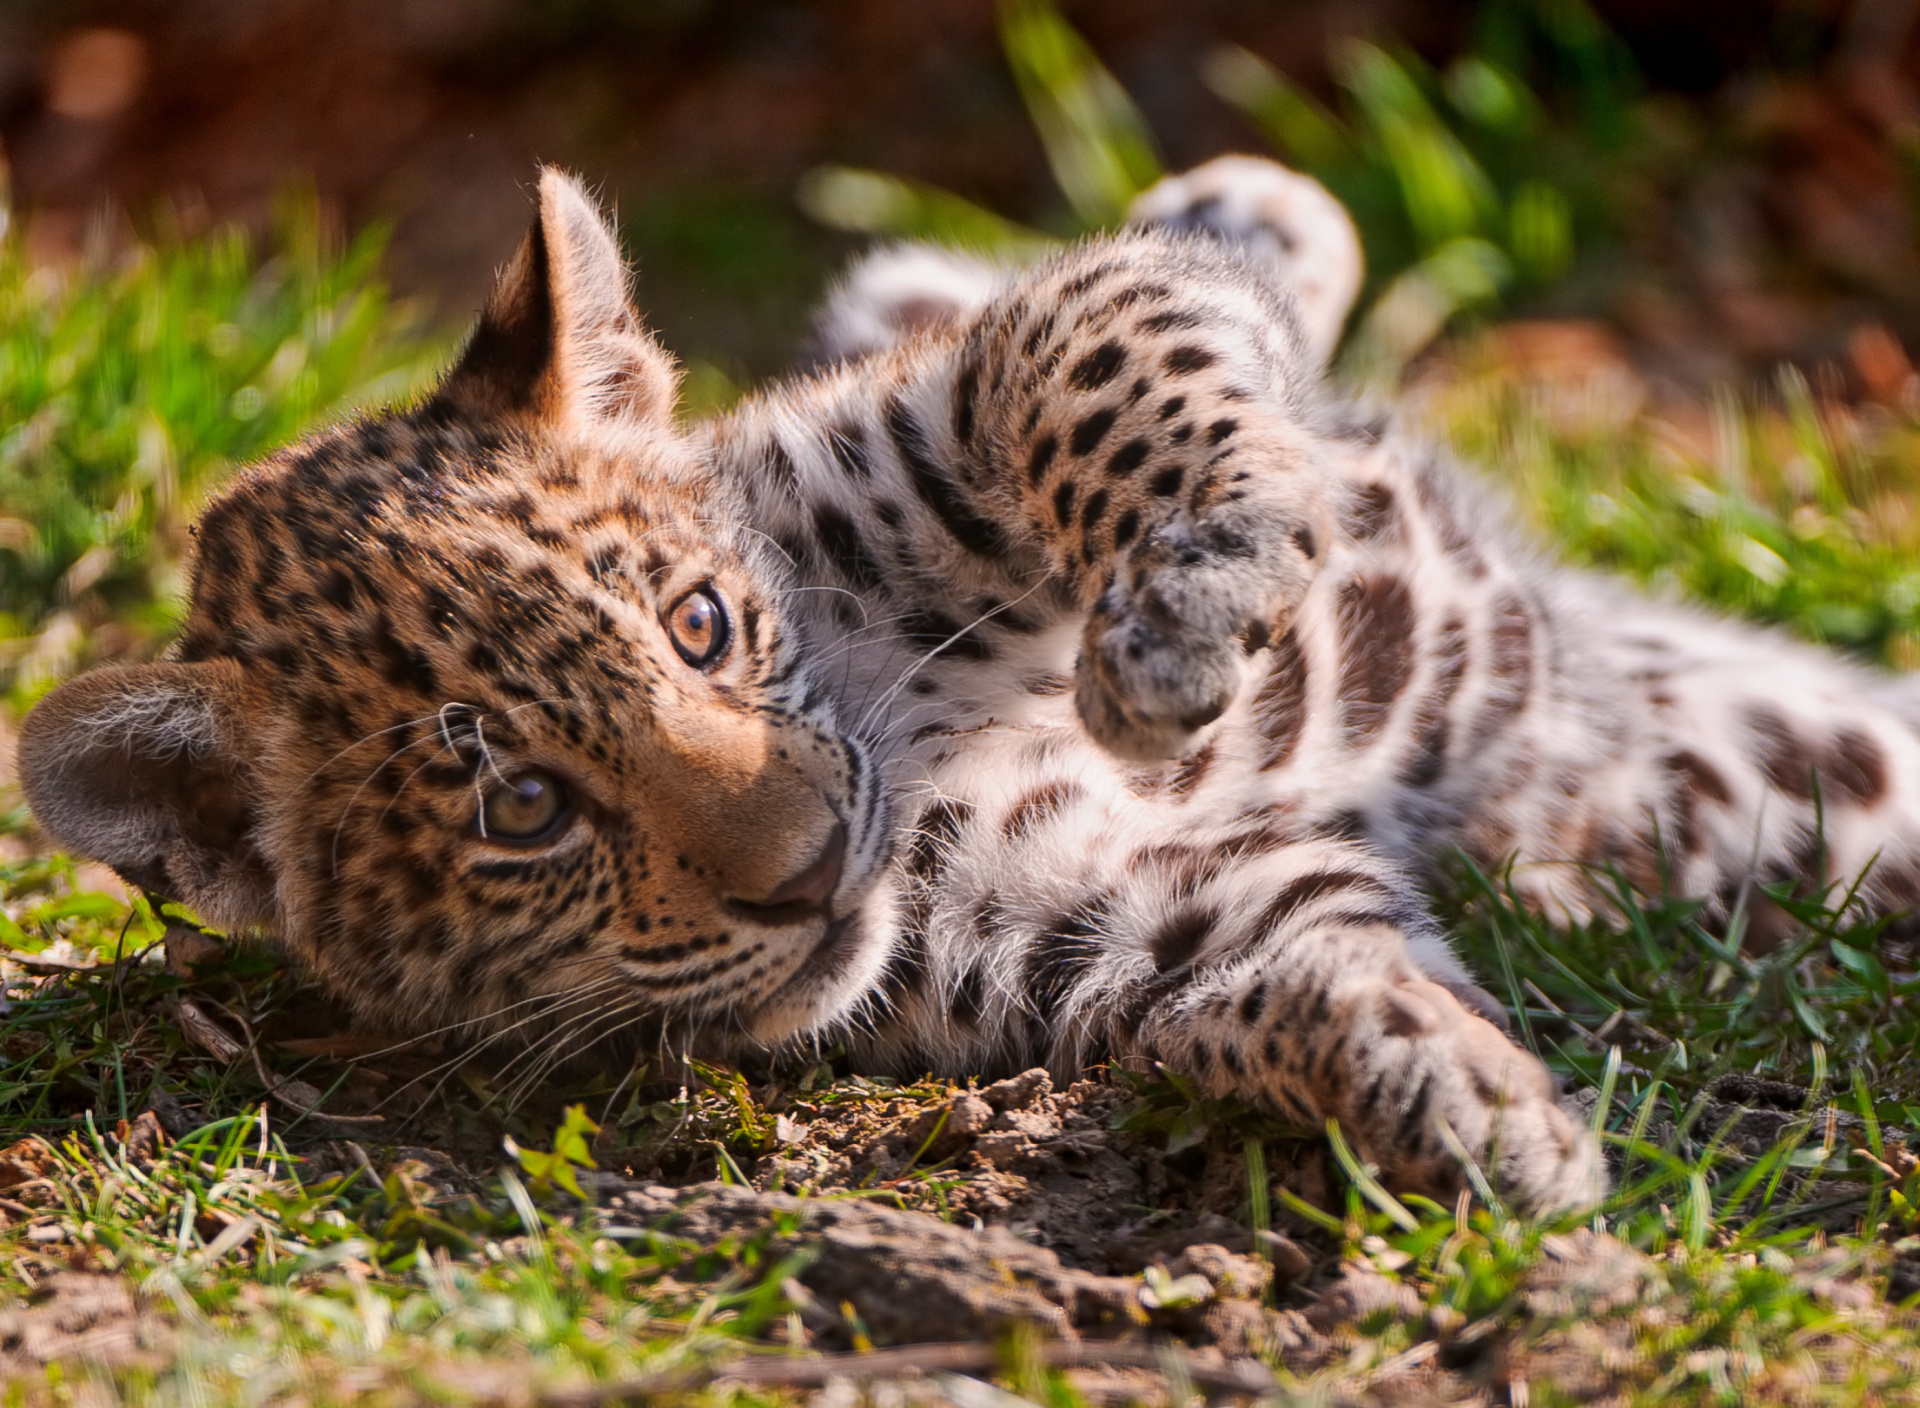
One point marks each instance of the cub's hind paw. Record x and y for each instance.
(1502, 1107)
(1449, 1065)
(1286, 223)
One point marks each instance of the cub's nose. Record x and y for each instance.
(803, 895)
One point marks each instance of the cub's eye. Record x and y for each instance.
(699, 628)
(524, 808)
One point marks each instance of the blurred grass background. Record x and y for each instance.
(1660, 281)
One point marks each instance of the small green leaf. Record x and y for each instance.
(1864, 966)
(86, 905)
(571, 1150)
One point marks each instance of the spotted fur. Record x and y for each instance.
(1098, 688)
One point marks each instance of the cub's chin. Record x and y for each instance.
(832, 982)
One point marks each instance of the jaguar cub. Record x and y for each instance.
(1072, 679)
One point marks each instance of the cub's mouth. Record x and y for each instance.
(832, 956)
(805, 895)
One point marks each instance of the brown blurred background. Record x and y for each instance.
(699, 116)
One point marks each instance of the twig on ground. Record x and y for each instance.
(207, 1034)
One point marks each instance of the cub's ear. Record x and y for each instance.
(144, 768)
(559, 341)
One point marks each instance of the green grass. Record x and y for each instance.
(350, 1286)
(131, 384)
(1783, 508)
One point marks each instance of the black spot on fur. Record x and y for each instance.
(1088, 434)
(1189, 358)
(1372, 514)
(848, 444)
(1170, 320)
(936, 634)
(1856, 767)
(928, 854)
(1432, 724)
(1302, 890)
(1063, 496)
(842, 542)
(907, 974)
(1098, 367)
(1038, 334)
(1695, 783)
(1280, 708)
(1254, 1003)
(1043, 453)
(1783, 754)
(1701, 777)
(1175, 943)
(1038, 806)
(781, 467)
(1074, 287)
(1509, 666)
(1168, 481)
(963, 403)
(940, 495)
(1433, 497)
(969, 998)
(1061, 955)
(1128, 457)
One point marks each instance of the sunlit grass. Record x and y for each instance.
(132, 382)
(1779, 506)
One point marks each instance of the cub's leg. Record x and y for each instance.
(1765, 761)
(1141, 411)
(1137, 419)
(1152, 406)
(1326, 1016)
(1297, 971)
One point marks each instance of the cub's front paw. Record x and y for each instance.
(1169, 645)
(1148, 691)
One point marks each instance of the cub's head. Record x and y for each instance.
(489, 707)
